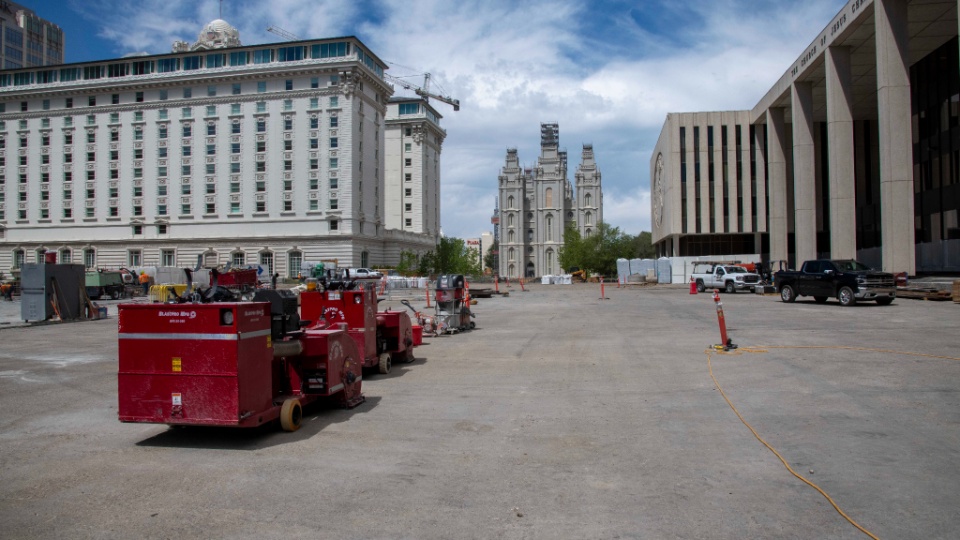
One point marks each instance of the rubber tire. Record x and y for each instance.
(473, 325)
(114, 295)
(845, 296)
(729, 288)
(885, 301)
(700, 286)
(820, 299)
(385, 363)
(787, 294)
(291, 414)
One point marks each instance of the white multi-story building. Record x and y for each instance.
(269, 154)
(412, 166)
(27, 40)
(538, 204)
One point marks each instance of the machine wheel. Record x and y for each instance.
(845, 295)
(885, 301)
(787, 294)
(385, 363)
(820, 299)
(473, 325)
(700, 286)
(729, 288)
(114, 294)
(291, 414)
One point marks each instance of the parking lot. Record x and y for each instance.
(562, 415)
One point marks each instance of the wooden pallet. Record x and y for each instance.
(923, 293)
(956, 292)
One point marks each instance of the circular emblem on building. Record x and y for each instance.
(658, 191)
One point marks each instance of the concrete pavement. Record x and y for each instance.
(560, 416)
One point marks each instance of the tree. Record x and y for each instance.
(408, 264)
(490, 259)
(643, 246)
(451, 257)
(597, 253)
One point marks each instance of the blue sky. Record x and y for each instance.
(607, 71)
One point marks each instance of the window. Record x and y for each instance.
(89, 258)
(115, 99)
(163, 95)
(235, 207)
(236, 89)
(211, 168)
(408, 207)
(261, 106)
(314, 122)
(186, 150)
(235, 109)
(212, 149)
(287, 206)
(334, 101)
(162, 152)
(161, 172)
(261, 87)
(314, 164)
(167, 257)
(288, 84)
(185, 209)
(134, 256)
(408, 192)
(334, 204)
(211, 129)
(288, 145)
(287, 165)
(235, 148)
(187, 92)
(261, 166)
(238, 58)
(315, 82)
(68, 103)
(334, 183)
(408, 162)
(235, 128)
(314, 144)
(92, 101)
(162, 190)
(408, 177)
(139, 97)
(408, 222)
(185, 189)
(211, 110)
(266, 260)
(314, 102)
(334, 163)
(334, 122)
(261, 125)
(186, 112)
(407, 147)
(334, 225)
(185, 170)
(288, 123)
(261, 146)
(262, 56)
(334, 142)
(161, 131)
(162, 114)
(211, 208)
(187, 130)
(211, 90)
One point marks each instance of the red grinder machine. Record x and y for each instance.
(229, 363)
(382, 338)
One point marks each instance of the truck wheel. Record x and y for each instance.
(385, 363)
(700, 287)
(885, 301)
(845, 295)
(820, 299)
(787, 294)
(291, 413)
(114, 295)
(729, 288)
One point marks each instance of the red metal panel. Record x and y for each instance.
(194, 363)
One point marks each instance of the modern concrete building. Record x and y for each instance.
(413, 141)
(26, 40)
(538, 204)
(269, 154)
(854, 152)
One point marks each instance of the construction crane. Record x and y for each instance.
(423, 91)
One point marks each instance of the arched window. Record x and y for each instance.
(90, 258)
(549, 268)
(510, 202)
(587, 200)
(588, 218)
(66, 256)
(548, 198)
(364, 259)
(549, 226)
(512, 271)
(510, 254)
(510, 220)
(211, 259)
(511, 237)
(19, 258)
(266, 260)
(294, 261)
(530, 235)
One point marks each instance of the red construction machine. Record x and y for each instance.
(383, 338)
(207, 359)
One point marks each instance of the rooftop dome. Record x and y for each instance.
(217, 34)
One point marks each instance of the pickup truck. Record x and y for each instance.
(846, 280)
(729, 277)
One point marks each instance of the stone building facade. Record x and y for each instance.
(537, 205)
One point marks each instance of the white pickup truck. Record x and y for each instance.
(729, 277)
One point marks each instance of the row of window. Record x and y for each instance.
(168, 257)
(191, 62)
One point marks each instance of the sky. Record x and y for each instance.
(607, 71)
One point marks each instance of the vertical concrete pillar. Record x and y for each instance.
(842, 184)
(896, 150)
(804, 172)
(777, 184)
(760, 144)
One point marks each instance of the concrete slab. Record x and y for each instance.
(560, 416)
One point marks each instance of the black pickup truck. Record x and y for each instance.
(846, 280)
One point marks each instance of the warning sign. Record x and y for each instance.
(177, 366)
